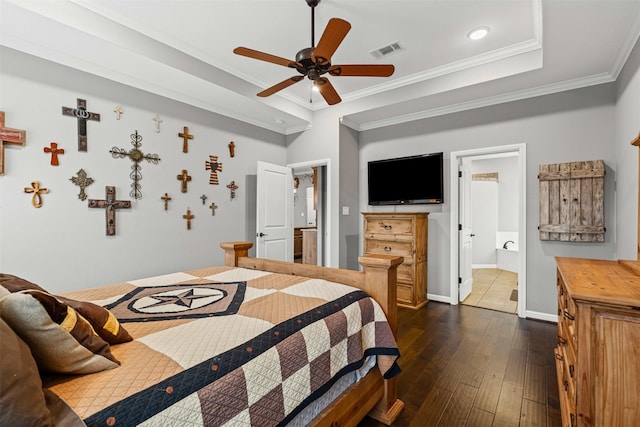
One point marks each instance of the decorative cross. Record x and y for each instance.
(81, 113)
(158, 120)
(166, 199)
(185, 139)
(9, 136)
(233, 187)
(54, 150)
(110, 204)
(184, 177)
(118, 110)
(188, 217)
(232, 149)
(136, 157)
(81, 181)
(204, 198)
(213, 208)
(36, 199)
(214, 167)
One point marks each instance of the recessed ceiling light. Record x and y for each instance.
(478, 33)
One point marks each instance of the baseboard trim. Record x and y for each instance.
(438, 298)
(484, 266)
(541, 316)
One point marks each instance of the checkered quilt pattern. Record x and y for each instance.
(227, 346)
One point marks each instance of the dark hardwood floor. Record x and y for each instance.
(468, 366)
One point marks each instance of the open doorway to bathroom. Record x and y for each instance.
(490, 209)
(494, 221)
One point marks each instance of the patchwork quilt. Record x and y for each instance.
(227, 346)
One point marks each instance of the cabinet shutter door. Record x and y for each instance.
(572, 201)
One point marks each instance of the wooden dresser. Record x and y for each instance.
(403, 234)
(598, 352)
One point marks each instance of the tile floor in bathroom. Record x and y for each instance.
(494, 289)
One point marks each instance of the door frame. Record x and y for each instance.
(326, 235)
(455, 157)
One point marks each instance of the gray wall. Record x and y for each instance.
(63, 245)
(349, 184)
(569, 126)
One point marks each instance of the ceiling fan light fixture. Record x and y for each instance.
(478, 33)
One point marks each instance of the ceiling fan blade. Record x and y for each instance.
(327, 91)
(364, 70)
(255, 54)
(333, 35)
(283, 84)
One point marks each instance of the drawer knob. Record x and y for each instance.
(387, 248)
(385, 226)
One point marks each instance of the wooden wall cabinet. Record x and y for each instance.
(598, 352)
(406, 235)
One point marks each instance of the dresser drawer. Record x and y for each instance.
(404, 249)
(405, 293)
(405, 272)
(388, 226)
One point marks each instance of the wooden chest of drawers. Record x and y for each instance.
(403, 234)
(598, 352)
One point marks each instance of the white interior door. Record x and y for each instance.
(464, 234)
(274, 212)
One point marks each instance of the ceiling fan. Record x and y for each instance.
(315, 61)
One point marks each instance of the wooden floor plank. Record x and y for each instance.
(468, 366)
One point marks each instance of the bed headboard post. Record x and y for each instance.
(235, 250)
(381, 282)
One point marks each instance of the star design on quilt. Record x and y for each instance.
(179, 300)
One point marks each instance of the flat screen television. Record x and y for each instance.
(406, 180)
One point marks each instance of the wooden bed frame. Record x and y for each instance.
(373, 395)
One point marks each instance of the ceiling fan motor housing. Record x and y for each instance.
(310, 68)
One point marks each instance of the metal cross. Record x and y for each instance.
(204, 198)
(81, 181)
(188, 217)
(136, 157)
(9, 136)
(185, 139)
(118, 110)
(158, 120)
(110, 204)
(166, 199)
(233, 187)
(54, 150)
(214, 167)
(213, 208)
(36, 199)
(81, 113)
(184, 177)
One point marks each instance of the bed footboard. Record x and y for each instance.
(379, 280)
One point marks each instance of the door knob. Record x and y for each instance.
(261, 234)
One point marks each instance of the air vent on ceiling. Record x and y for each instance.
(387, 50)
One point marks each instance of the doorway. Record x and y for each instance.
(320, 170)
(488, 271)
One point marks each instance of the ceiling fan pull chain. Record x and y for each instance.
(313, 26)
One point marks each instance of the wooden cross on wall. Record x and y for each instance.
(81, 113)
(136, 156)
(166, 199)
(188, 216)
(110, 204)
(184, 177)
(36, 199)
(9, 136)
(214, 167)
(54, 151)
(185, 139)
(233, 187)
